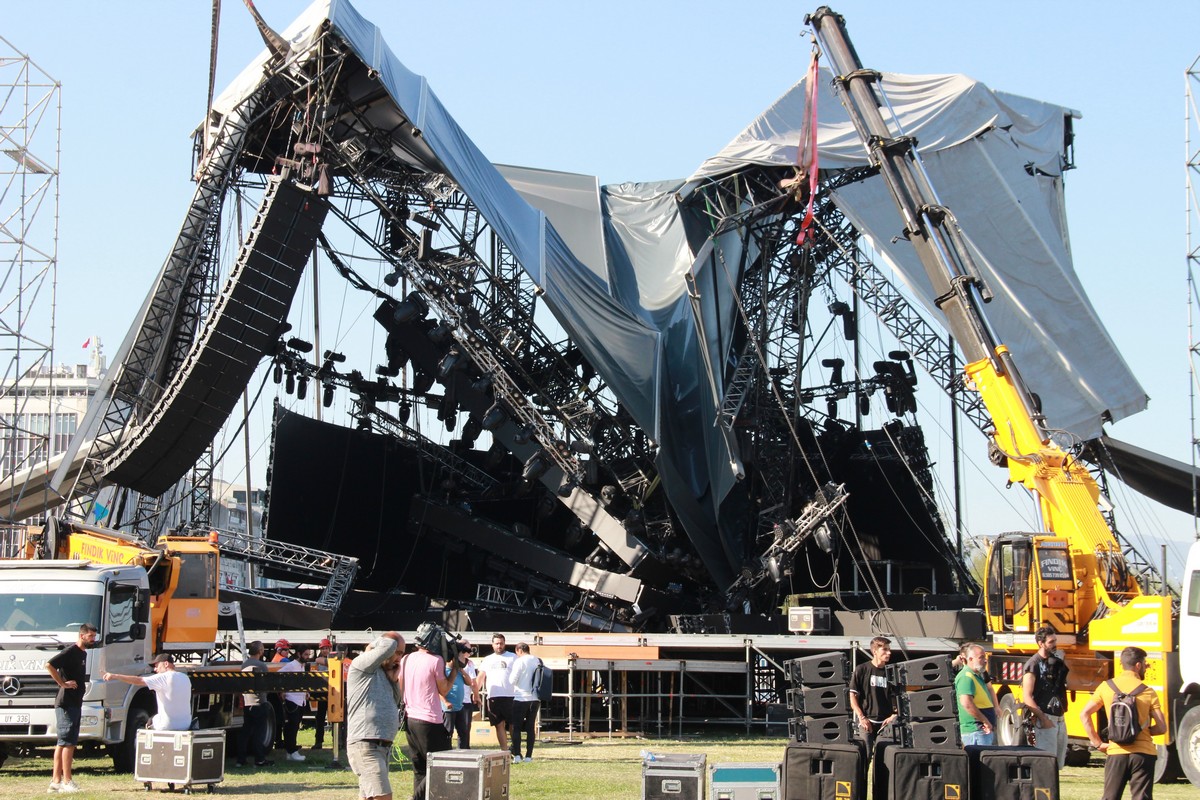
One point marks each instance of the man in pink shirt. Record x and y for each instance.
(423, 680)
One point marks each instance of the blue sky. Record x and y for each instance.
(644, 91)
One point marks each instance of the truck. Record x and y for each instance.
(1072, 575)
(143, 600)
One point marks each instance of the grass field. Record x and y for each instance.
(598, 769)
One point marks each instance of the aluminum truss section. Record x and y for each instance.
(337, 571)
(30, 136)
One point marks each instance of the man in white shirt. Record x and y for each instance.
(495, 679)
(525, 703)
(172, 689)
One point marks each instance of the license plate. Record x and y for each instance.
(14, 719)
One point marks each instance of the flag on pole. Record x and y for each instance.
(88, 343)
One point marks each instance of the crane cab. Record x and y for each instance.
(1029, 583)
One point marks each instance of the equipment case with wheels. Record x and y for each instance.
(673, 776)
(467, 775)
(744, 781)
(180, 758)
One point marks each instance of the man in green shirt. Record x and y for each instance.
(976, 700)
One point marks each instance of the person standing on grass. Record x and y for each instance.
(525, 703)
(1044, 693)
(976, 700)
(254, 713)
(423, 683)
(1131, 763)
(69, 670)
(495, 679)
(372, 714)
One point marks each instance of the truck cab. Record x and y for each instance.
(42, 605)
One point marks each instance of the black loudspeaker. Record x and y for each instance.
(825, 772)
(938, 703)
(904, 773)
(920, 673)
(820, 701)
(1011, 773)
(821, 730)
(934, 734)
(820, 670)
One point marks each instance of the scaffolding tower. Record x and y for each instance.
(1192, 152)
(30, 144)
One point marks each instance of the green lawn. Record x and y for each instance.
(598, 769)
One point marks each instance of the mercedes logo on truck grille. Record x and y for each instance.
(10, 685)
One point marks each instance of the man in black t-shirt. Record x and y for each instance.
(873, 703)
(69, 670)
(1044, 693)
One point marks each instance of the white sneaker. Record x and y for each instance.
(68, 786)
(528, 759)
(516, 759)
(54, 787)
(296, 756)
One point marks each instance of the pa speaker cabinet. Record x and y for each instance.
(934, 734)
(906, 773)
(744, 781)
(820, 670)
(1011, 773)
(825, 772)
(820, 701)
(827, 730)
(922, 673)
(467, 775)
(181, 758)
(673, 776)
(940, 703)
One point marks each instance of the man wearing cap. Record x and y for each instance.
(293, 702)
(172, 690)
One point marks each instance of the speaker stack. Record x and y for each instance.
(823, 761)
(928, 706)
(1011, 773)
(925, 761)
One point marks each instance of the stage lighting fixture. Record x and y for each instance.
(411, 308)
(302, 388)
(277, 373)
(482, 384)
(299, 345)
(524, 435)
(404, 413)
(392, 278)
(422, 383)
(583, 446)
(327, 395)
(566, 489)
(494, 417)
(290, 385)
(450, 362)
(440, 332)
(336, 358)
(536, 466)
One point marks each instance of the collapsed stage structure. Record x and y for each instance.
(648, 430)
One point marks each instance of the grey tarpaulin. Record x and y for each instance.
(612, 260)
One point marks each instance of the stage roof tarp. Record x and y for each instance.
(612, 259)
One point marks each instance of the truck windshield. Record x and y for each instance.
(48, 612)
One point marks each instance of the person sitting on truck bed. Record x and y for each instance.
(172, 689)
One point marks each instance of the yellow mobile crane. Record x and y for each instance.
(1072, 575)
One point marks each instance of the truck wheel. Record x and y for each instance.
(269, 729)
(1166, 768)
(124, 755)
(1008, 723)
(1078, 756)
(1187, 745)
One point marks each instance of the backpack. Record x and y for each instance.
(1123, 723)
(543, 682)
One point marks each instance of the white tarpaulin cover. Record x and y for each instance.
(612, 259)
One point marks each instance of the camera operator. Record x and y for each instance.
(423, 680)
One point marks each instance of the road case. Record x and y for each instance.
(673, 776)
(180, 758)
(467, 775)
(744, 781)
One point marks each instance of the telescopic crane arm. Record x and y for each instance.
(1097, 584)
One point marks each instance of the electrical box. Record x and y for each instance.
(808, 619)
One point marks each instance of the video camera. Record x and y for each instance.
(437, 640)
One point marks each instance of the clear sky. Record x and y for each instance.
(644, 91)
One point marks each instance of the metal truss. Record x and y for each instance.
(30, 136)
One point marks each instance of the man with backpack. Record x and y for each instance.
(1044, 692)
(1134, 716)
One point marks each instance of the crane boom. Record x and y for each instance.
(1085, 592)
